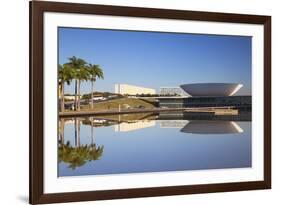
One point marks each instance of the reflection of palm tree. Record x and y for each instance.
(96, 152)
(61, 129)
(92, 130)
(77, 132)
(78, 156)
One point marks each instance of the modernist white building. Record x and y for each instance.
(126, 89)
(71, 97)
(211, 89)
(172, 91)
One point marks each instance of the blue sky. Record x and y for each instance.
(153, 59)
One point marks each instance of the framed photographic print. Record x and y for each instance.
(139, 102)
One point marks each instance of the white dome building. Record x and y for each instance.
(211, 89)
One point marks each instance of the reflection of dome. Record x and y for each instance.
(211, 89)
(211, 127)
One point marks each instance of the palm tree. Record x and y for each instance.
(76, 64)
(65, 76)
(80, 75)
(95, 72)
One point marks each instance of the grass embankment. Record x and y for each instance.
(125, 103)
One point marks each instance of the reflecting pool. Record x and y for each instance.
(136, 143)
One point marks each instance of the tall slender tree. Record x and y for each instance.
(65, 74)
(81, 75)
(76, 64)
(95, 72)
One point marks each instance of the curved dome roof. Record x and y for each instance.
(211, 89)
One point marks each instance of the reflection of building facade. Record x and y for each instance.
(177, 91)
(125, 89)
(172, 123)
(126, 127)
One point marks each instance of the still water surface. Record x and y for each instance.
(134, 144)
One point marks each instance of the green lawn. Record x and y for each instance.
(125, 103)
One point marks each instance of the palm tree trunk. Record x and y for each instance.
(92, 96)
(78, 102)
(75, 101)
(62, 97)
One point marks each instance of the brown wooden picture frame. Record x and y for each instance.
(37, 9)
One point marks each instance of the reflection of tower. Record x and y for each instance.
(211, 127)
(127, 127)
